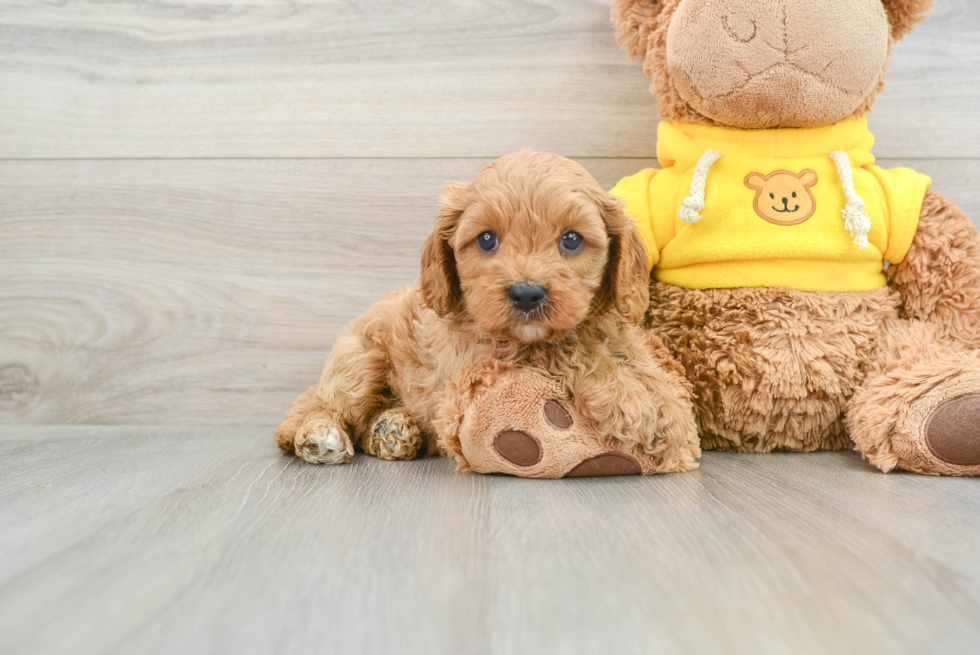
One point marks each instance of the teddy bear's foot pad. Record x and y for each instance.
(953, 430)
(526, 425)
(606, 464)
(557, 416)
(518, 447)
(521, 449)
(939, 432)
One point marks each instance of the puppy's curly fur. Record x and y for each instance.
(387, 385)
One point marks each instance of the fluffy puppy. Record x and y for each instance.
(531, 267)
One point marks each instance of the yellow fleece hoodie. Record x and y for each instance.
(773, 208)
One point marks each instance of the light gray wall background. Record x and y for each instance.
(196, 197)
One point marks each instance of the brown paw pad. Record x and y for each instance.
(518, 447)
(953, 431)
(605, 464)
(557, 416)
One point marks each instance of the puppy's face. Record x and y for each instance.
(531, 248)
(530, 261)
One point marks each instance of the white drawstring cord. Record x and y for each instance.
(693, 205)
(856, 219)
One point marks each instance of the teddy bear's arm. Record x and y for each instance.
(939, 279)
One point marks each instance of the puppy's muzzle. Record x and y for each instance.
(526, 296)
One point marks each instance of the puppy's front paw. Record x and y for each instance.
(321, 441)
(393, 436)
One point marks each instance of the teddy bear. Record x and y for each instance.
(814, 300)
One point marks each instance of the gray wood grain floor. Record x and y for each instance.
(207, 540)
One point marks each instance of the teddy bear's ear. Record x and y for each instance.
(904, 15)
(755, 181)
(635, 20)
(808, 178)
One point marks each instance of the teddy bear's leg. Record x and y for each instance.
(521, 422)
(919, 407)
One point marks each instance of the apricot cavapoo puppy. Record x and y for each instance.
(533, 279)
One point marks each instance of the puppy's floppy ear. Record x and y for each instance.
(904, 15)
(635, 21)
(627, 279)
(438, 278)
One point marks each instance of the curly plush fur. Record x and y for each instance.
(939, 280)
(772, 369)
(424, 359)
(778, 369)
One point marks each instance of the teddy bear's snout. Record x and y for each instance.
(740, 28)
(764, 63)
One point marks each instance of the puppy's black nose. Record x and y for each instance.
(527, 297)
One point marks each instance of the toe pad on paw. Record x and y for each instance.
(953, 431)
(605, 464)
(557, 416)
(518, 447)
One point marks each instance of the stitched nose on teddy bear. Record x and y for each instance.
(769, 63)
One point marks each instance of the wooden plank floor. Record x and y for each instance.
(207, 540)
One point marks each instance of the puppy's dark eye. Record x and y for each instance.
(794, 194)
(488, 242)
(571, 242)
(772, 195)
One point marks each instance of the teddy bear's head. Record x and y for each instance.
(765, 63)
